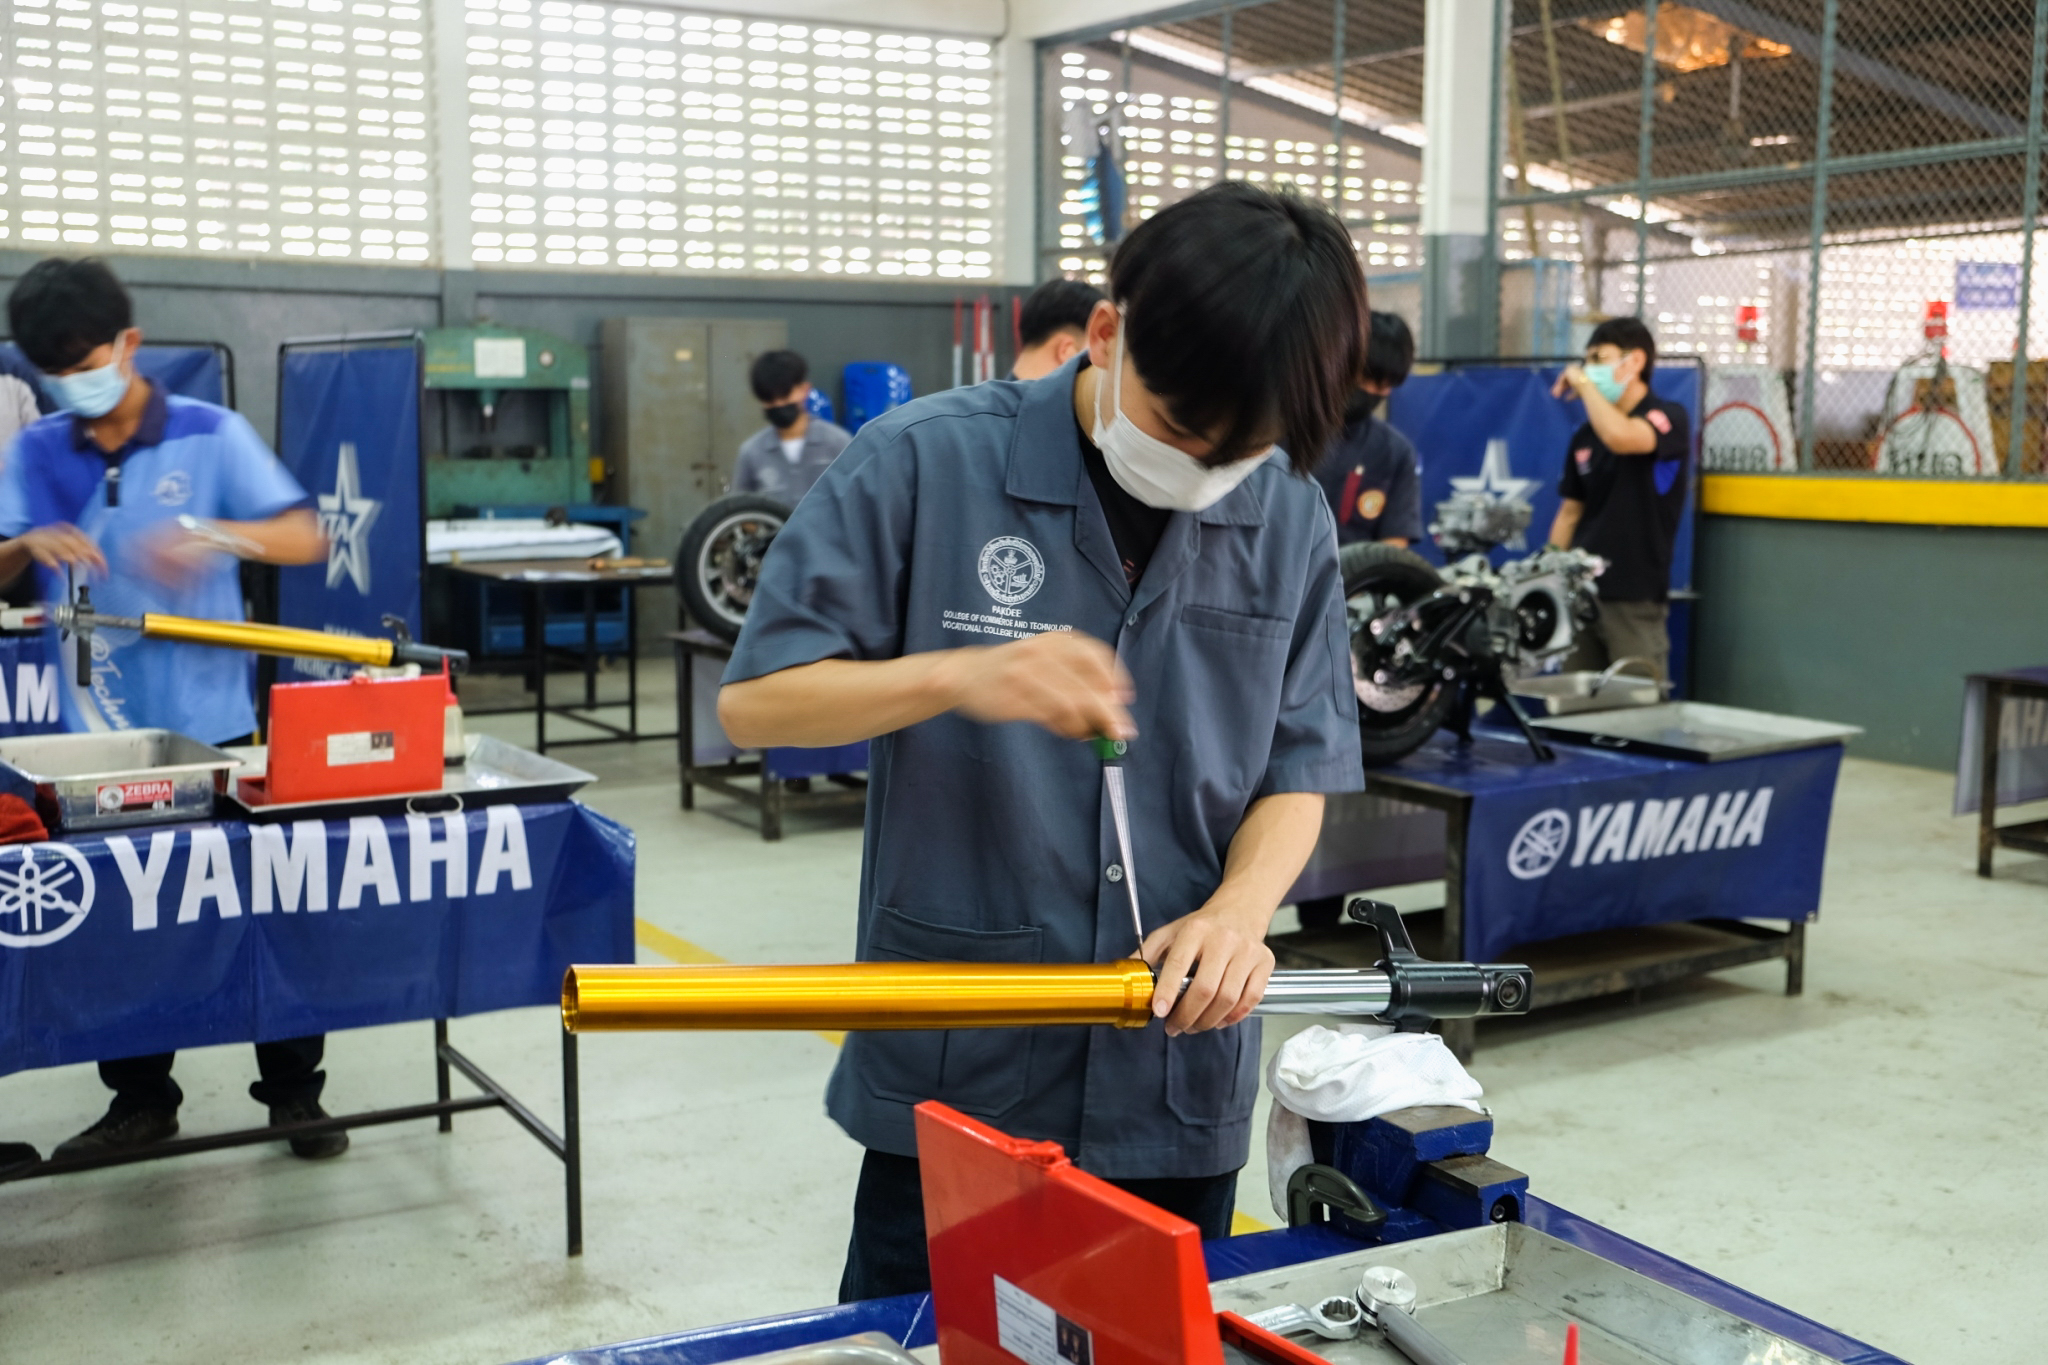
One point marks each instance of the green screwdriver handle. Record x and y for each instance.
(1110, 750)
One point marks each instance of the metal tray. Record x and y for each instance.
(1695, 730)
(494, 773)
(122, 777)
(1504, 1295)
(1564, 694)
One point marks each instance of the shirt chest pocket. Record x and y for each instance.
(1228, 671)
(983, 1072)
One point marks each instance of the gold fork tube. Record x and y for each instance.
(857, 995)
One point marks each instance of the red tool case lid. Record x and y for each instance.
(1035, 1260)
(360, 737)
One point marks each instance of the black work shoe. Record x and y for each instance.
(319, 1145)
(16, 1157)
(120, 1130)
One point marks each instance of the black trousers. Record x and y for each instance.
(887, 1254)
(290, 1071)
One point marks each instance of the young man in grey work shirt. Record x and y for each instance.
(785, 458)
(992, 575)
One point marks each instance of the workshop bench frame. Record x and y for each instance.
(771, 795)
(1569, 968)
(567, 1145)
(2028, 836)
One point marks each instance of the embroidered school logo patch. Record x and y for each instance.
(1371, 503)
(1656, 418)
(174, 489)
(1011, 569)
(1584, 457)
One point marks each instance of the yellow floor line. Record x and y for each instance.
(1241, 1223)
(680, 950)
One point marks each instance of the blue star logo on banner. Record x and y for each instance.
(1495, 475)
(345, 519)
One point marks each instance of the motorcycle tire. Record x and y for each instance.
(718, 563)
(1391, 572)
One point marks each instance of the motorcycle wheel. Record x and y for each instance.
(1392, 723)
(719, 561)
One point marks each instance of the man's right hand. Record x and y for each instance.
(1070, 683)
(60, 544)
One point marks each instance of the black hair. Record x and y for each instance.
(1245, 314)
(1390, 351)
(63, 310)
(1053, 306)
(1630, 335)
(776, 373)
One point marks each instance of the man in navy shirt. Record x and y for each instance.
(1371, 474)
(992, 575)
(135, 492)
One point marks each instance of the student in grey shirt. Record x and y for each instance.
(786, 457)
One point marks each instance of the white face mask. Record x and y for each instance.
(1150, 470)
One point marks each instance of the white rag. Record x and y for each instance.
(1349, 1074)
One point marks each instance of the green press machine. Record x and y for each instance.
(491, 362)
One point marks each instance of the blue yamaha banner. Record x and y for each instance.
(28, 685)
(1601, 840)
(146, 940)
(349, 431)
(1494, 426)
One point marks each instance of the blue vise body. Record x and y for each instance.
(1427, 1167)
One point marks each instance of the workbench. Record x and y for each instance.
(2018, 694)
(1551, 864)
(908, 1319)
(154, 939)
(536, 578)
(775, 770)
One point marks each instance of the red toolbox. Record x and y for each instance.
(362, 737)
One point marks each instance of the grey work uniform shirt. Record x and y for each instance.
(968, 518)
(763, 468)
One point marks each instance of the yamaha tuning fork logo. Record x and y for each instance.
(1621, 832)
(45, 892)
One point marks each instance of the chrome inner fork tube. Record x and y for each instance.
(1342, 991)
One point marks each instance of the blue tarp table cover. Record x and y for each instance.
(1605, 840)
(145, 940)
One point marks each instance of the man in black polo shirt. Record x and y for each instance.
(1623, 490)
(1370, 473)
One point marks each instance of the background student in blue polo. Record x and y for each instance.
(95, 492)
(988, 577)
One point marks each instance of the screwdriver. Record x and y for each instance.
(1111, 752)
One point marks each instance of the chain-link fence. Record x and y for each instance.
(1832, 204)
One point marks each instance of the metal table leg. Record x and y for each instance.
(1795, 959)
(1987, 776)
(1461, 1035)
(686, 720)
(572, 1142)
(447, 1121)
(771, 802)
(537, 642)
(632, 661)
(589, 647)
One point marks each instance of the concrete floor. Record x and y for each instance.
(1858, 1154)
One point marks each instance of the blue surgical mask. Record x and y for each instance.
(1603, 379)
(94, 393)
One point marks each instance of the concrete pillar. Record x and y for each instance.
(1460, 276)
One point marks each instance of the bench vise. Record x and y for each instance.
(1412, 1173)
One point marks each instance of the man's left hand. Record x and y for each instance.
(1222, 946)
